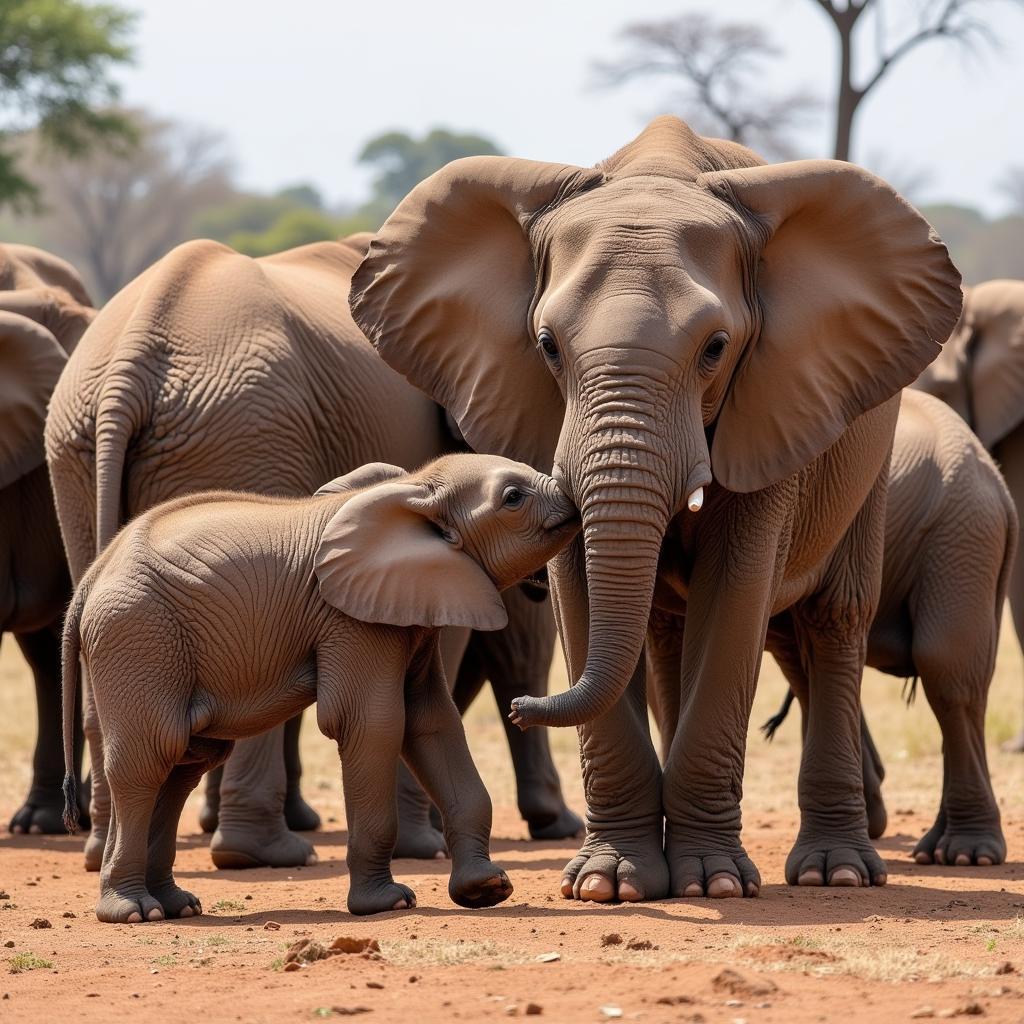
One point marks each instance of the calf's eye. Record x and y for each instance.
(512, 497)
(714, 349)
(549, 347)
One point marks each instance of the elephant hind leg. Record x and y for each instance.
(42, 811)
(956, 658)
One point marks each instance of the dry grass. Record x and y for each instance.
(435, 952)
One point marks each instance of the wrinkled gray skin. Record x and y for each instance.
(950, 540)
(349, 588)
(980, 373)
(213, 370)
(34, 582)
(681, 317)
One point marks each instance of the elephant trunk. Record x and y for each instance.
(629, 482)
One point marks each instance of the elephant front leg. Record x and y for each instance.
(251, 830)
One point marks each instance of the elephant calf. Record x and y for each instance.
(217, 616)
(950, 540)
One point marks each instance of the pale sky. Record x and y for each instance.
(297, 87)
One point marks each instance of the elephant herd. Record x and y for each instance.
(701, 387)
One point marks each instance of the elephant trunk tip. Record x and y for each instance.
(527, 712)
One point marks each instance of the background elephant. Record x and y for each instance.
(44, 308)
(214, 370)
(950, 539)
(681, 328)
(398, 555)
(980, 373)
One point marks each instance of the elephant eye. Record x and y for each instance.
(512, 497)
(714, 349)
(547, 344)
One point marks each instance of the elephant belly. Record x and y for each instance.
(223, 714)
(890, 645)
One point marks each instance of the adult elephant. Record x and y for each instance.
(682, 327)
(210, 371)
(44, 309)
(980, 373)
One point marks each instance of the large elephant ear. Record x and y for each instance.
(857, 294)
(30, 363)
(994, 358)
(445, 294)
(383, 558)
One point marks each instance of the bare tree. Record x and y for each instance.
(721, 66)
(953, 20)
(115, 212)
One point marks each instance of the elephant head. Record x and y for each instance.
(31, 360)
(677, 315)
(980, 372)
(436, 547)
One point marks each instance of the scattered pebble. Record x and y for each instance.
(1006, 968)
(350, 1011)
(673, 1000)
(737, 984)
(611, 939)
(40, 922)
(374, 984)
(611, 1012)
(9, 944)
(533, 1010)
(271, 926)
(549, 958)
(69, 914)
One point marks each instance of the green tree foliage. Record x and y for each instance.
(259, 225)
(982, 249)
(56, 57)
(402, 162)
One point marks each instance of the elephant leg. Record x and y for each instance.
(99, 791)
(369, 733)
(786, 652)
(1010, 456)
(42, 811)
(955, 658)
(435, 747)
(873, 774)
(298, 814)
(517, 660)
(209, 812)
(623, 855)
(723, 641)
(251, 830)
(418, 835)
(664, 668)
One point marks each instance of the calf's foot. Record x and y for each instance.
(128, 905)
(962, 846)
(479, 884)
(43, 814)
(177, 902)
(622, 864)
(94, 844)
(377, 897)
(298, 814)
(566, 824)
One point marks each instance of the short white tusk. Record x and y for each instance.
(695, 502)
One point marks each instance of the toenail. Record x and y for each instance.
(694, 889)
(844, 877)
(810, 878)
(185, 912)
(629, 893)
(35, 830)
(923, 858)
(156, 914)
(134, 917)
(985, 862)
(962, 859)
(400, 905)
(722, 886)
(439, 855)
(311, 860)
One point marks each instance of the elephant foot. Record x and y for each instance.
(94, 845)
(43, 814)
(1014, 746)
(823, 858)
(298, 814)
(626, 865)
(564, 825)
(479, 884)
(377, 898)
(878, 817)
(177, 902)
(239, 846)
(962, 847)
(128, 905)
(419, 841)
(209, 815)
(695, 871)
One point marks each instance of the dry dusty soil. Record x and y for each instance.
(937, 942)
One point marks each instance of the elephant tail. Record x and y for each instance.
(118, 415)
(769, 728)
(70, 675)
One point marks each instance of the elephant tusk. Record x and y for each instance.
(695, 502)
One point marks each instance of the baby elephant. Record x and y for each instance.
(217, 616)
